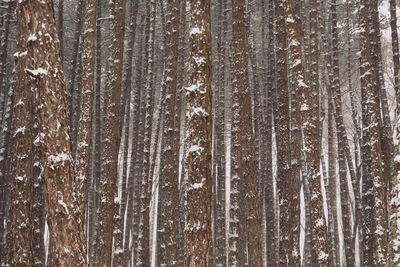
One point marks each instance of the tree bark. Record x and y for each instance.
(199, 138)
(110, 143)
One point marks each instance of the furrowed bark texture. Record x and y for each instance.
(374, 251)
(110, 144)
(310, 136)
(168, 229)
(270, 217)
(143, 256)
(244, 169)
(45, 77)
(199, 138)
(22, 136)
(219, 178)
(394, 224)
(82, 164)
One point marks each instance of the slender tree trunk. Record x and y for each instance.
(373, 182)
(110, 144)
(310, 135)
(168, 194)
(82, 165)
(394, 230)
(199, 138)
(60, 28)
(269, 185)
(219, 139)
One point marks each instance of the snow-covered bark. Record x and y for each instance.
(84, 137)
(43, 74)
(198, 138)
(22, 136)
(143, 245)
(310, 136)
(6, 24)
(73, 91)
(282, 129)
(219, 143)
(394, 224)
(111, 138)
(270, 215)
(168, 194)
(245, 223)
(374, 197)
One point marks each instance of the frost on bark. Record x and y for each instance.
(43, 74)
(110, 144)
(394, 230)
(271, 228)
(82, 163)
(219, 143)
(168, 216)
(374, 197)
(199, 138)
(245, 223)
(287, 224)
(310, 136)
(143, 245)
(22, 136)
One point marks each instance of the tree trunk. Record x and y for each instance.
(310, 135)
(110, 144)
(168, 194)
(199, 138)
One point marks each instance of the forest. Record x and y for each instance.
(199, 133)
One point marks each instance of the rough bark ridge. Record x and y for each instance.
(82, 165)
(168, 197)
(310, 136)
(21, 206)
(110, 144)
(394, 234)
(244, 169)
(282, 129)
(199, 135)
(374, 251)
(45, 76)
(219, 139)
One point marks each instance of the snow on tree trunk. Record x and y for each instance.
(44, 75)
(199, 138)
(84, 137)
(110, 144)
(168, 232)
(394, 227)
(310, 136)
(374, 197)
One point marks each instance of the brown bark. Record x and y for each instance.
(199, 138)
(110, 144)
(310, 135)
(394, 232)
(168, 218)
(44, 75)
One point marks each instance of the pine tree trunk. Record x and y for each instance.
(219, 139)
(394, 227)
(168, 194)
(199, 138)
(374, 251)
(110, 143)
(310, 135)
